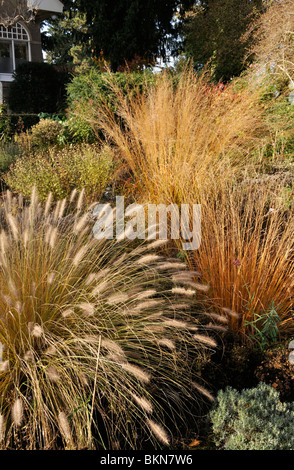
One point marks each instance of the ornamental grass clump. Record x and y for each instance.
(246, 252)
(95, 343)
(187, 141)
(176, 134)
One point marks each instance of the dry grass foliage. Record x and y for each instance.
(274, 39)
(191, 142)
(91, 338)
(247, 250)
(175, 134)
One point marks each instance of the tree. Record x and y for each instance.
(123, 29)
(13, 11)
(120, 30)
(65, 37)
(214, 33)
(274, 40)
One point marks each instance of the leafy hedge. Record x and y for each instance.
(93, 86)
(37, 87)
(88, 85)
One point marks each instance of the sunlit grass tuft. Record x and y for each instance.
(247, 251)
(177, 134)
(93, 350)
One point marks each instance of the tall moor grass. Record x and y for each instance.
(176, 134)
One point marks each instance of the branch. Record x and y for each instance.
(12, 12)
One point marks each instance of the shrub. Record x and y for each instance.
(46, 133)
(61, 170)
(36, 88)
(94, 88)
(23, 122)
(94, 85)
(13, 124)
(79, 130)
(5, 124)
(8, 153)
(253, 419)
(92, 343)
(280, 115)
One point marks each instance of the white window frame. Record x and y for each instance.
(16, 34)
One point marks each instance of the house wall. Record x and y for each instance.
(33, 29)
(8, 8)
(35, 36)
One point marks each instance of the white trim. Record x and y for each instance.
(15, 35)
(17, 31)
(29, 52)
(6, 77)
(54, 6)
(13, 54)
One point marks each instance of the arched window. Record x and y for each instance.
(14, 47)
